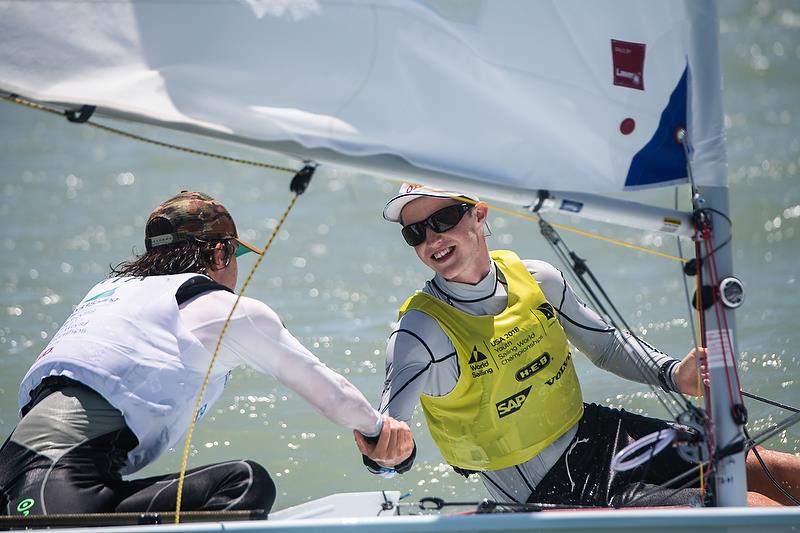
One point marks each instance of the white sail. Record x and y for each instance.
(514, 94)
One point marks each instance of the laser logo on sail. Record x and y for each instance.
(628, 61)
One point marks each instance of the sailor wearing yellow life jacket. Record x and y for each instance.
(484, 348)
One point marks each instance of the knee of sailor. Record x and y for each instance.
(262, 488)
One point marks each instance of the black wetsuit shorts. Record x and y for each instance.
(583, 475)
(84, 476)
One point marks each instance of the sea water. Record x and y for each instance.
(73, 200)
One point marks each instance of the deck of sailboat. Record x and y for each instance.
(717, 520)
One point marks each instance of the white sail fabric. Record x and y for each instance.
(556, 94)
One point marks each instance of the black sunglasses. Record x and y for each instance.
(440, 221)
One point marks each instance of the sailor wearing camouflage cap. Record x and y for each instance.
(117, 385)
(192, 215)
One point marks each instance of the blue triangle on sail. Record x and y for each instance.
(662, 159)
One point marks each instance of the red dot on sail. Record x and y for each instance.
(627, 126)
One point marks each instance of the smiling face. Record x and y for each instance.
(459, 254)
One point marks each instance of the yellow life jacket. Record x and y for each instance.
(517, 391)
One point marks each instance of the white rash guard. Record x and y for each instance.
(421, 359)
(132, 343)
(257, 338)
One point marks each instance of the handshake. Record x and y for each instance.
(393, 446)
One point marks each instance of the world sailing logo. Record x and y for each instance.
(547, 310)
(479, 363)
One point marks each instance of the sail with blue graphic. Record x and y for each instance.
(514, 94)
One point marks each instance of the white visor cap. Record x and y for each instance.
(411, 191)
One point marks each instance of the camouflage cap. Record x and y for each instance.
(192, 215)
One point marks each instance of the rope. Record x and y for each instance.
(186, 447)
(298, 186)
(610, 240)
(147, 140)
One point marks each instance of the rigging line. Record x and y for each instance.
(641, 367)
(33, 105)
(771, 402)
(774, 430)
(728, 355)
(686, 284)
(683, 139)
(536, 218)
(721, 311)
(187, 445)
(580, 282)
(698, 330)
(701, 323)
(767, 471)
(638, 364)
(610, 240)
(585, 269)
(675, 479)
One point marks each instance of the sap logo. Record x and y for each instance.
(560, 370)
(512, 404)
(529, 370)
(547, 310)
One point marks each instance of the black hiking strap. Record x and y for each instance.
(197, 285)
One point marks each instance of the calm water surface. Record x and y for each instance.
(74, 200)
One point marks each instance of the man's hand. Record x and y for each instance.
(685, 376)
(393, 446)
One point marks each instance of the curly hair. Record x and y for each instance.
(194, 255)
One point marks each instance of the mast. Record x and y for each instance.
(727, 411)
(708, 173)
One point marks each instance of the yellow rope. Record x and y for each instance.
(247, 280)
(536, 218)
(190, 432)
(699, 368)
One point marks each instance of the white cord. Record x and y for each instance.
(661, 438)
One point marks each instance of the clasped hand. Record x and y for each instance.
(393, 446)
